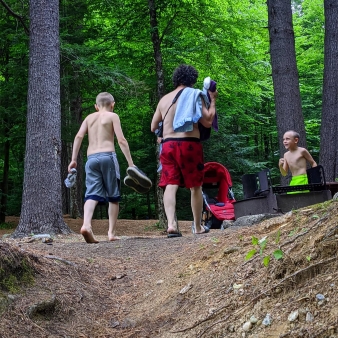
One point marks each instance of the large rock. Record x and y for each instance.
(253, 219)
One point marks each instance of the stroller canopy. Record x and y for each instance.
(217, 176)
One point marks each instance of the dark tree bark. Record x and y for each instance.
(6, 151)
(329, 128)
(41, 210)
(284, 72)
(4, 185)
(155, 38)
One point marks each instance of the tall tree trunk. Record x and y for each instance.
(329, 128)
(41, 210)
(4, 185)
(284, 72)
(5, 175)
(76, 196)
(155, 38)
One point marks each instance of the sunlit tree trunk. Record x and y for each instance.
(41, 210)
(329, 128)
(284, 72)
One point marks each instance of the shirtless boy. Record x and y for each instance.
(295, 159)
(102, 168)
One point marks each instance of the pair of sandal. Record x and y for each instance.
(137, 180)
(193, 229)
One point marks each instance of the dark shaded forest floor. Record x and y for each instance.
(148, 285)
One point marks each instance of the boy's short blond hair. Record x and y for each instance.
(104, 99)
(295, 134)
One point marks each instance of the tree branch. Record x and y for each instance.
(20, 18)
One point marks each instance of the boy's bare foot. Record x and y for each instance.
(172, 230)
(113, 238)
(88, 235)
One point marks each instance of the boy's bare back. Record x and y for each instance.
(100, 128)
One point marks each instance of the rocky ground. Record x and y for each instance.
(148, 285)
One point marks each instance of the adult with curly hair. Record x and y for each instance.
(182, 153)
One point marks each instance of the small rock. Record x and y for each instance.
(11, 297)
(231, 328)
(247, 326)
(321, 303)
(293, 316)
(253, 320)
(237, 286)
(231, 250)
(267, 320)
(319, 296)
(114, 323)
(159, 282)
(309, 317)
(186, 289)
(212, 310)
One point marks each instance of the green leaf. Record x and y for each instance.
(277, 237)
(266, 261)
(250, 254)
(263, 244)
(254, 240)
(278, 254)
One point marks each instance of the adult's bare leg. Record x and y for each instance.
(86, 229)
(197, 208)
(169, 201)
(113, 212)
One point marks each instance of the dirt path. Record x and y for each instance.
(147, 285)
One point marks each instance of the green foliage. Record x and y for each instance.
(106, 46)
(260, 246)
(14, 274)
(6, 225)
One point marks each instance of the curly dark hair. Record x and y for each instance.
(185, 75)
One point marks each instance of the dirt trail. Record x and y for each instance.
(147, 285)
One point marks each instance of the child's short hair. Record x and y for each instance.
(294, 133)
(185, 75)
(104, 99)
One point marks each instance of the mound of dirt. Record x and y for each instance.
(148, 285)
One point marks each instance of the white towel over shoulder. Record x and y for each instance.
(189, 109)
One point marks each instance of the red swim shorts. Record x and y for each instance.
(182, 162)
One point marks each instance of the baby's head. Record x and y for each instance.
(104, 100)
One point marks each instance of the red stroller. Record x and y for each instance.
(217, 181)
